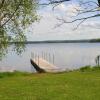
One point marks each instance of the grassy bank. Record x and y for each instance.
(83, 84)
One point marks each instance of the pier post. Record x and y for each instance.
(38, 59)
(53, 59)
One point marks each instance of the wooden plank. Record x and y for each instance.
(42, 65)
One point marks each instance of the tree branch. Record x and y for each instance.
(84, 18)
(54, 2)
(63, 21)
(11, 15)
(86, 10)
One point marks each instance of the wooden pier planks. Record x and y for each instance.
(42, 65)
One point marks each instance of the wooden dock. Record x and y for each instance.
(42, 65)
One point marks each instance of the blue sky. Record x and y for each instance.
(45, 28)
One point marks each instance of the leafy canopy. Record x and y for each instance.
(15, 16)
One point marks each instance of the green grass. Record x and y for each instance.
(76, 85)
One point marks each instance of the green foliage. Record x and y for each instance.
(3, 50)
(86, 68)
(96, 68)
(89, 68)
(19, 48)
(15, 16)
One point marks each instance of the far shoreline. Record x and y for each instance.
(58, 41)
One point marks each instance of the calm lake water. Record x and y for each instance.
(66, 55)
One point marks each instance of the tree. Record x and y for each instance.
(88, 6)
(15, 16)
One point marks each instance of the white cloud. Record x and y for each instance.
(70, 9)
(44, 29)
(61, 7)
(92, 24)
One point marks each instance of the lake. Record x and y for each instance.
(63, 55)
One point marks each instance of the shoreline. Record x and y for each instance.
(81, 69)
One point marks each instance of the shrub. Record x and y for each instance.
(86, 68)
